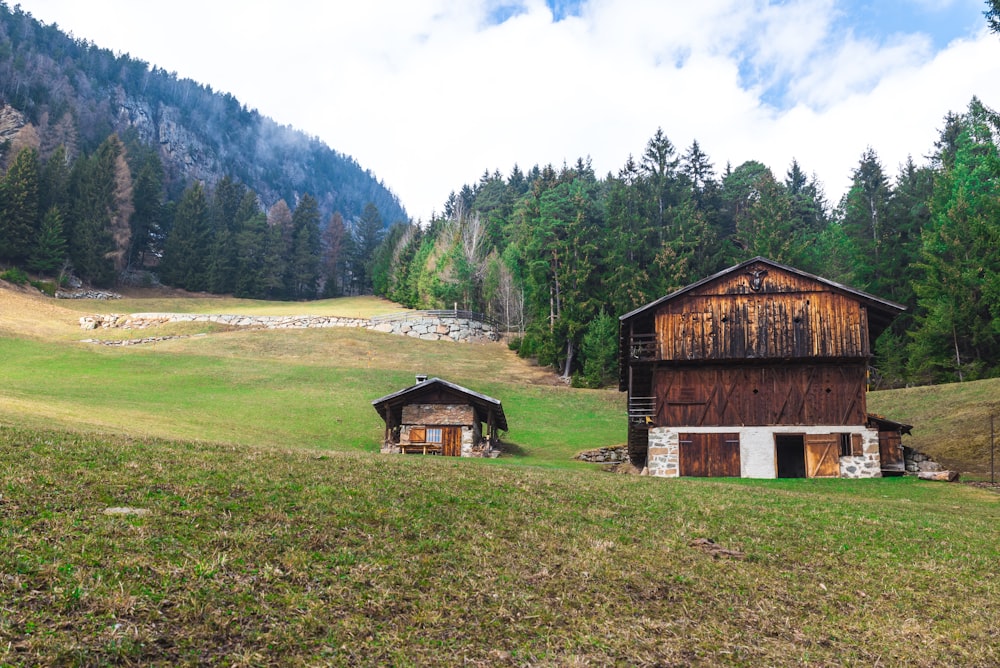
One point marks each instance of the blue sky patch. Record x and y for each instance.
(562, 9)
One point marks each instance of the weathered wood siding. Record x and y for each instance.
(890, 449)
(710, 455)
(786, 394)
(822, 455)
(789, 317)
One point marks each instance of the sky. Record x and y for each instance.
(430, 94)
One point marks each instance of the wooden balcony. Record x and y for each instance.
(643, 348)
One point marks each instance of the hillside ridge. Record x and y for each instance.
(58, 90)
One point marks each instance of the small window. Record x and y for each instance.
(418, 435)
(850, 445)
(434, 435)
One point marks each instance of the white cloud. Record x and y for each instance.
(428, 94)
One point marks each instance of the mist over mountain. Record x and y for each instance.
(56, 89)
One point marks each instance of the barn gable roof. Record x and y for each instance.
(882, 310)
(484, 403)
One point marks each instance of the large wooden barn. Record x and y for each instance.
(759, 371)
(435, 417)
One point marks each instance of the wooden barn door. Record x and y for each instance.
(710, 455)
(451, 441)
(822, 455)
(890, 452)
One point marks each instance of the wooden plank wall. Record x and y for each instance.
(787, 394)
(791, 317)
(710, 455)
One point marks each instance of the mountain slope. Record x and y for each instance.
(55, 89)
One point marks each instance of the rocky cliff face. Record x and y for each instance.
(11, 122)
(181, 150)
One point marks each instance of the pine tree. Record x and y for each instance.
(367, 236)
(87, 227)
(186, 258)
(864, 215)
(54, 184)
(49, 253)
(992, 14)
(304, 261)
(958, 292)
(599, 350)
(147, 219)
(334, 237)
(19, 215)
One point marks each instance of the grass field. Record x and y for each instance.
(272, 535)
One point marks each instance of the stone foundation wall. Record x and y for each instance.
(663, 456)
(426, 328)
(757, 450)
(868, 464)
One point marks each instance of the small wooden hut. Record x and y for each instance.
(759, 371)
(435, 417)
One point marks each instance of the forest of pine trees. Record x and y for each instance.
(558, 254)
(104, 218)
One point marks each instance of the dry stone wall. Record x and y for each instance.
(427, 328)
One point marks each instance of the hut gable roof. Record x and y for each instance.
(435, 390)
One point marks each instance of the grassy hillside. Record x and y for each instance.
(250, 556)
(951, 422)
(262, 531)
(288, 388)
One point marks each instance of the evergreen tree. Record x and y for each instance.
(807, 200)
(49, 253)
(958, 292)
(633, 240)
(92, 197)
(186, 251)
(739, 191)
(599, 349)
(334, 238)
(367, 236)
(864, 214)
(54, 184)
(224, 211)
(304, 262)
(765, 222)
(19, 214)
(659, 165)
(250, 243)
(992, 14)
(147, 218)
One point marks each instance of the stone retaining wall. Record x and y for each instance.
(918, 462)
(611, 455)
(427, 328)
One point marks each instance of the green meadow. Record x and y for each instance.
(218, 499)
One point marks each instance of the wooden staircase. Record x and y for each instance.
(641, 412)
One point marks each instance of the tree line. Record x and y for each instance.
(558, 254)
(105, 217)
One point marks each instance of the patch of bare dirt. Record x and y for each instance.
(716, 551)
